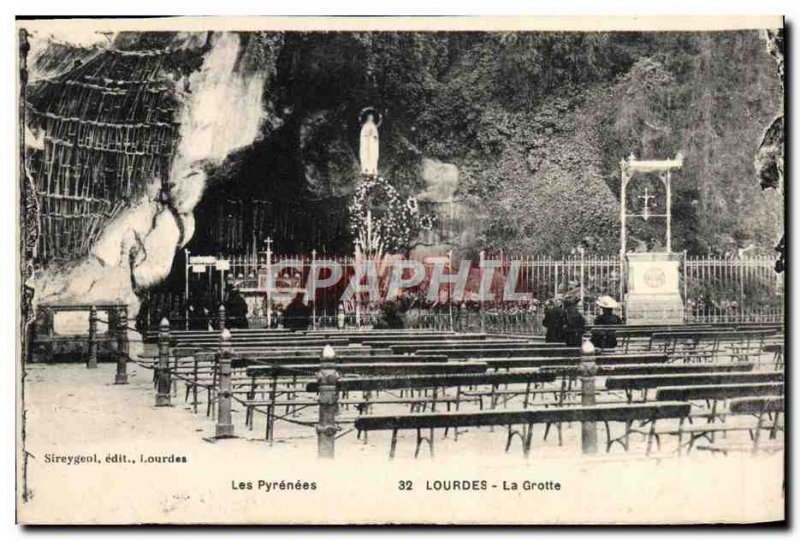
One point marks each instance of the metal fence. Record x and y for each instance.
(715, 290)
(732, 289)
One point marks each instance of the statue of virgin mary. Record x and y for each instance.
(369, 146)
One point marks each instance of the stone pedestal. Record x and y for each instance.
(654, 289)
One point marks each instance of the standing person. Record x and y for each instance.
(297, 314)
(574, 323)
(391, 316)
(197, 318)
(235, 309)
(554, 321)
(606, 338)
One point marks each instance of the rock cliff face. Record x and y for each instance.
(513, 141)
(134, 129)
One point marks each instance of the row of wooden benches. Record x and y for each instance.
(377, 384)
(285, 366)
(737, 343)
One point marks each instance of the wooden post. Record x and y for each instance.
(328, 378)
(587, 370)
(224, 420)
(163, 383)
(91, 361)
(121, 376)
(186, 290)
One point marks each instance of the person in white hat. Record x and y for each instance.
(606, 338)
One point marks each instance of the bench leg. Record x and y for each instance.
(175, 378)
(270, 423)
(511, 433)
(393, 445)
(528, 441)
(652, 435)
(773, 432)
(609, 440)
(757, 437)
(421, 439)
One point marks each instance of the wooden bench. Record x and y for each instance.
(539, 362)
(636, 337)
(263, 343)
(460, 375)
(386, 341)
(256, 376)
(437, 381)
(408, 347)
(767, 411)
(712, 395)
(506, 352)
(526, 418)
(245, 348)
(777, 354)
(735, 343)
(151, 335)
(653, 369)
(646, 382)
(569, 375)
(379, 369)
(718, 391)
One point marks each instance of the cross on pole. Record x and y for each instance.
(646, 199)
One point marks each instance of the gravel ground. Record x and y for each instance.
(73, 411)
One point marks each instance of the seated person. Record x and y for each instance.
(606, 338)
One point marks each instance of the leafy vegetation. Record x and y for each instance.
(536, 123)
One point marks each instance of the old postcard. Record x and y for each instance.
(401, 270)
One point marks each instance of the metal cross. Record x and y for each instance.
(646, 197)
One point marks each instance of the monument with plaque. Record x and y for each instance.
(653, 277)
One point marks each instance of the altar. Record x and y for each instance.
(653, 281)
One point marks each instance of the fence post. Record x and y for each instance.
(221, 315)
(269, 281)
(121, 376)
(481, 270)
(224, 421)
(91, 361)
(163, 383)
(587, 370)
(313, 279)
(186, 289)
(327, 378)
